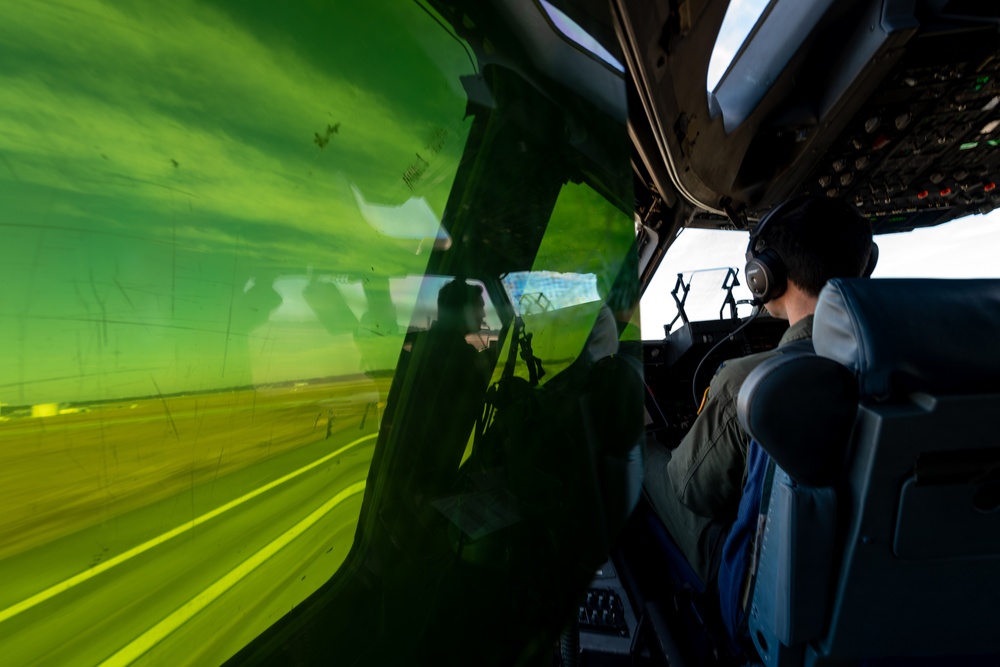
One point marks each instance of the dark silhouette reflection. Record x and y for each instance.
(483, 562)
(437, 395)
(442, 402)
(514, 534)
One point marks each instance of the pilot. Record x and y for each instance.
(695, 489)
(450, 392)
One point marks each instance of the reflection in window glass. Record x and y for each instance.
(741, 17)
(205, 298)
(546, 290)
(560, 298)
(420, 294)
(501, 476)
(227, 226)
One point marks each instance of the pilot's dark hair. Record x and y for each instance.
(818, 238)
(456, 295)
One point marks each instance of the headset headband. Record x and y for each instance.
(758, 229)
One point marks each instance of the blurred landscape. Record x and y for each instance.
(62, 473)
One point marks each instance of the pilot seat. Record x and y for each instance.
(880, 534)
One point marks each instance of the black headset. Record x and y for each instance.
(765, 272)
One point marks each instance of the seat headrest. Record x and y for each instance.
(901, 335)
(800, 408)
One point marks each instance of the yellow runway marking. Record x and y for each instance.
(161, 630)
(90, 573)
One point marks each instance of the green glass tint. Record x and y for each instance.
(560, 297)
(226, 228)
(215, 220)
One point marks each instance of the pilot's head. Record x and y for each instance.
(801, 244)
(461, 307)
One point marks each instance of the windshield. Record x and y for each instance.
(223, 241)
(963, 248)
(708, 262)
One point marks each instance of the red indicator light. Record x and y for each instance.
(989, 187)
(946, 192)
(922, 194)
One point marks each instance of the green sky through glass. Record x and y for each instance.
(216, 220)
(162, 165)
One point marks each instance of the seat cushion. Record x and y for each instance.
(800, 408)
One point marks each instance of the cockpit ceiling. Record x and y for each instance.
(923, 149)
(893, 109)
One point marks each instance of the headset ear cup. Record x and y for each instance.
(757, 278)
(872, 261)
(765, 275)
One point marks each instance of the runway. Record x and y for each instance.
(190, 575)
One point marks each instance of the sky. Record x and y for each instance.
(739, 20)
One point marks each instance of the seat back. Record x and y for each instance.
(892, 547)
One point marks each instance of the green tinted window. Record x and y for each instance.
(226, 230)
(560, 297)
(209, 213)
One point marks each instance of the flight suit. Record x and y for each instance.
(695, 489)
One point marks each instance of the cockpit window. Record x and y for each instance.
(963, 248)
(703, 268)
(576, 34)
(560, 297)
(215, 216)
(753, 48)
(230, 231)
(741, 16)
